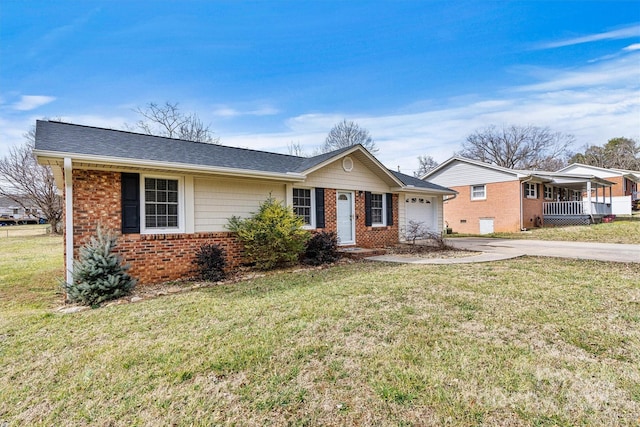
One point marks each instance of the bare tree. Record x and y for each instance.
(425, 164)
(167, 120)
(27, 183)
(295, 149)
(621, 152)
(348, 133)
(518, 147)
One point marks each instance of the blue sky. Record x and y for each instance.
(419, 75)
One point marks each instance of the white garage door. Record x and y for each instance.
(422, 209)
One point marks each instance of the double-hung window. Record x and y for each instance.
(302, 205)
(548, 192)
(478, 192)
(531, 190)
(161, 204)
(377, 209)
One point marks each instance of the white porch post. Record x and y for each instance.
(68, 217)
(288, 194)
(588, 207)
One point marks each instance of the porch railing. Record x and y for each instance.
(582, 207)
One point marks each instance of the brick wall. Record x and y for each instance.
(366, 237)
(375, 237)
(153, 258)
(532, 209)
(502, 204)
(161, 257)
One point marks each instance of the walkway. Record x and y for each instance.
(500, 249)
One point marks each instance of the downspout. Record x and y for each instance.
(522, 203)
(68, 217)
(442, 227)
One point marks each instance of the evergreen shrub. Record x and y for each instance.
(273, 236)
(210, 262)
(322, 248)
(98, 275)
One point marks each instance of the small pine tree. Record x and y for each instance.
(273, 236)
(99, 274)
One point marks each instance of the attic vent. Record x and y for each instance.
(347, 164)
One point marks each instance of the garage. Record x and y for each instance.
(422, 210)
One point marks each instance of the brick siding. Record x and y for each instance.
(153, 257)
(502, 204)
(156, 258)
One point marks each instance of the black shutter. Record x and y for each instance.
(130, 203)
(389, 209)
(367, 208)
(320, 208)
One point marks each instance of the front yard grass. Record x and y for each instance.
(522, 342)
(612, 232)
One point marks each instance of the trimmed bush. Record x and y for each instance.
(322, 248)
(210, 262)
(99, 274)
(272, 237)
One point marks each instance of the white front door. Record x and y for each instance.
(344, 214)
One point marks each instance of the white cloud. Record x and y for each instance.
(31, 102)
(613, 73)
(622, 33)
(594, 103)
(230, 112)
(632, 47)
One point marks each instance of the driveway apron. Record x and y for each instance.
(578, 250)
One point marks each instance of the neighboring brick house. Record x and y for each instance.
(497, 199)
(166, 197)
(626, 191)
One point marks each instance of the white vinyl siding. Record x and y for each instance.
(218, 199)
(334, 176)
(459, 173)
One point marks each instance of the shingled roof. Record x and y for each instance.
(58, 139)
(411, 181)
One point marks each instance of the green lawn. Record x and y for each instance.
(612, 232)
(520, 342)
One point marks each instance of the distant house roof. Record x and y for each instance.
(629, 174)
(56, 140)
(521, 174)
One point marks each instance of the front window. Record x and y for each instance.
(548, 192)
(577, 196)
(531, 190)
(478, 192)
(161, 203)
(377, 209)
(302, 204)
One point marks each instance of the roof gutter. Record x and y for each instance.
(422, 190)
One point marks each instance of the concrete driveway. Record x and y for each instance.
(578, 250)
